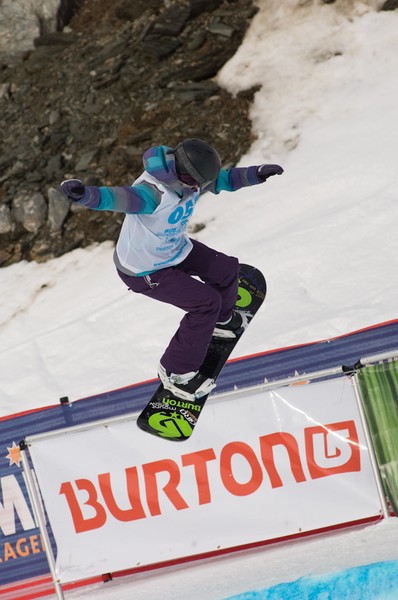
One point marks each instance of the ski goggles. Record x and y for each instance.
(188, 179)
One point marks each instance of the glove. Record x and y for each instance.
(265, 171)
(73, 188)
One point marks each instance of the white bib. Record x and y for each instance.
(148, 243)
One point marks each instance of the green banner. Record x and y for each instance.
(379, 390)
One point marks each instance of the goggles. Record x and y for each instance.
(188, 179)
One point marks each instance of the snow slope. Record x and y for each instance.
(324, 233)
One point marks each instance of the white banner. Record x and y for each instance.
(259, 466)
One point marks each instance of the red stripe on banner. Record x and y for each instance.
(245, 547)
(47, 587)
(31, 588)
(40, 588)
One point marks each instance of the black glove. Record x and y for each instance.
(265, 171)
(73, 188)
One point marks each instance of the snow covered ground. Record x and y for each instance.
(324, 234)
(255, 570)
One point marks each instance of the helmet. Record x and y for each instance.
(197, 159)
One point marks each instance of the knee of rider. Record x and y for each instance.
(214, 301)
(231, 272)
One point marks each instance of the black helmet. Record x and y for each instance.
(197, 158)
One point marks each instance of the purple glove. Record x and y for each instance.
(73, 188)
(265, 171)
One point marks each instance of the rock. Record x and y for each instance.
(4, 90)
(218, 28)
(194, 91)
(42, 248)
(390, 5)
(16, 168)
(30, 210)
(161, 37)
(196, 41)
(38, 60)
(5, 219)
(160, 47)
(10, 254)
(110, 50)
(53, 167)
(57, 140)
(133, 9)
(34, 177)
(56, 38)
(54, 117)
(199, 6)
(172, 20)
(58, 208)
(85, 160)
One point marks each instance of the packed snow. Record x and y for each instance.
(323, 233)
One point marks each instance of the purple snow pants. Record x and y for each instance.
(205, 302)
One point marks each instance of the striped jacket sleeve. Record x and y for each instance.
(233, 179)
(142, 198)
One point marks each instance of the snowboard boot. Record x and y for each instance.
(187, 386)
(234, 327)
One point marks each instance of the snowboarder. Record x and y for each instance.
(155, 256)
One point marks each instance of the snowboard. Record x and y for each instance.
(172, 418)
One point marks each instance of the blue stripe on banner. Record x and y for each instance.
(378, 581)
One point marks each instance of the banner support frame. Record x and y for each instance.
(40, 518)
(378, 358)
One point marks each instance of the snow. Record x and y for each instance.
(323, 233)
(219, 578)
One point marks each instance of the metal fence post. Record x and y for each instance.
(40, 517)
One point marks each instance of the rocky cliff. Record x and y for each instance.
(91, 97)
